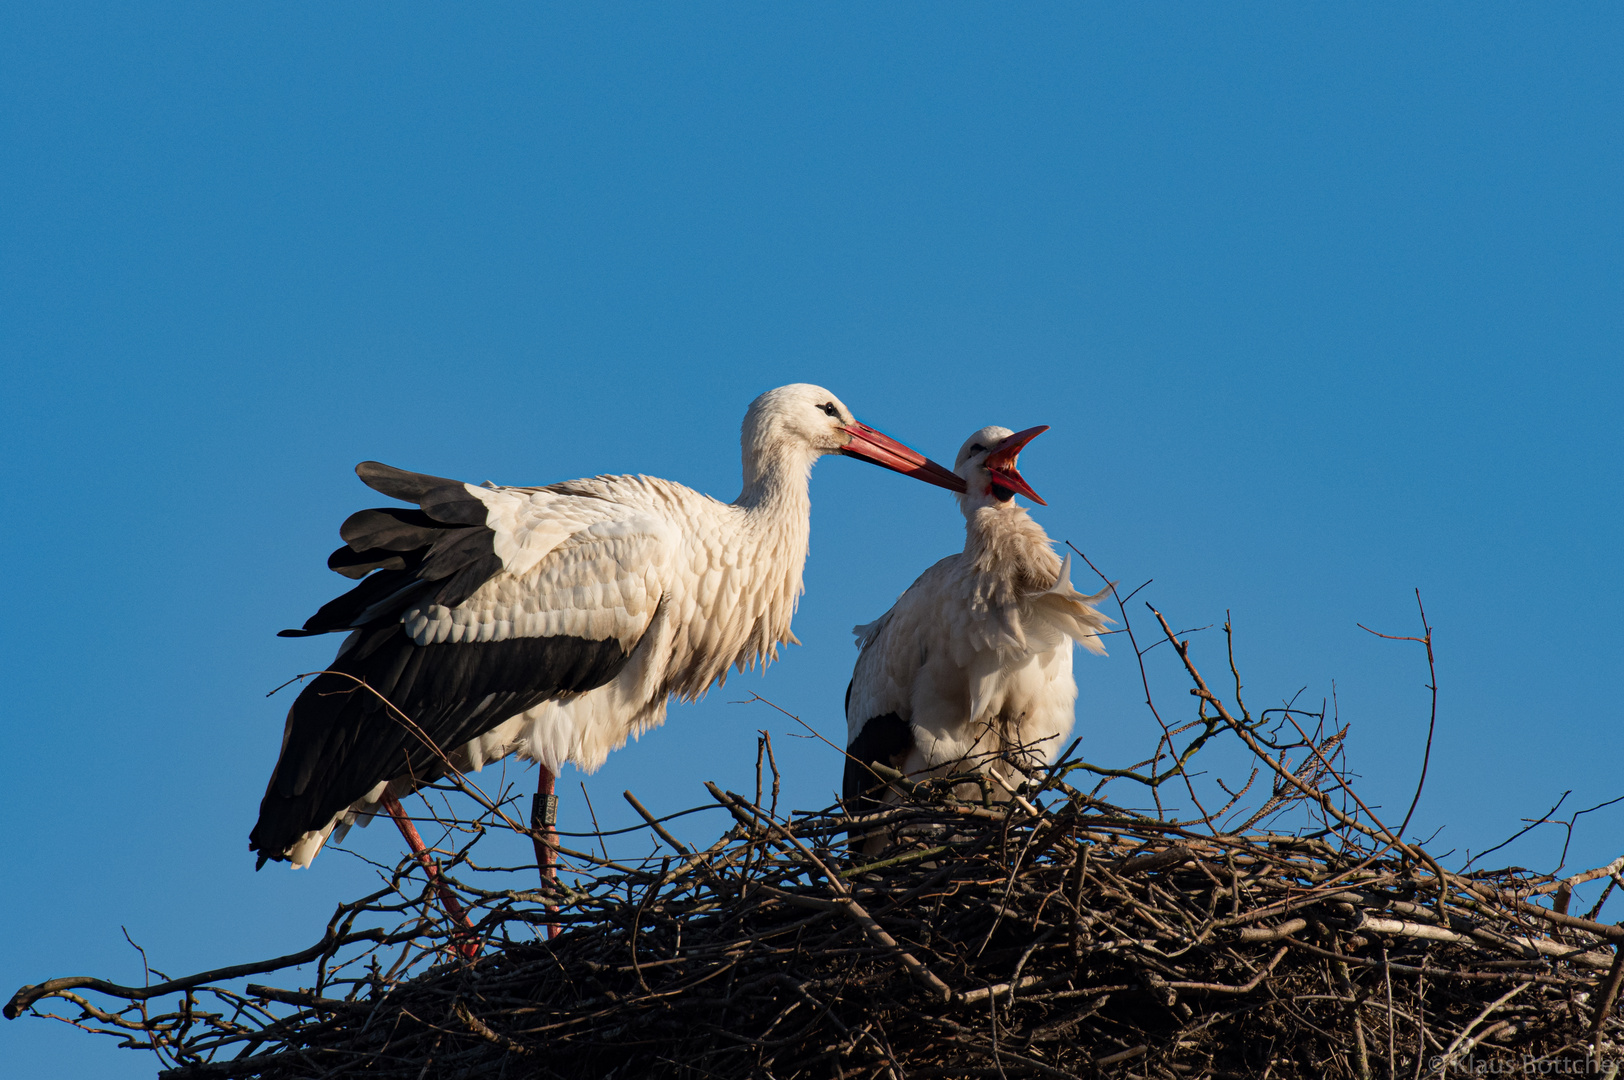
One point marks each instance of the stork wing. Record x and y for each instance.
(925, 619)
(879, 698)
(481, 604)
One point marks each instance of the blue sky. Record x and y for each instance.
(1322, 304)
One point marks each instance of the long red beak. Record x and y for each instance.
(886, 452)
(1001, 463)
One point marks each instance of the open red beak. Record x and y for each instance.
(1001, 463)
(882, 450)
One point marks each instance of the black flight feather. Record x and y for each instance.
(463, 584)
(454, 506)
(392, 528)
(885, 739)
(358, 564)
(455, 549)
(398, 483)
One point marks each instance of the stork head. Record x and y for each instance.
(805, 422)
(986, 463)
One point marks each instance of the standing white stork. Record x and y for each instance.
(974, 662)
(553, 621)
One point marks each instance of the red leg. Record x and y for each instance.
(448, 899)
(543, 819)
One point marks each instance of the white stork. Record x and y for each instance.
(552, 621)
(973, 662)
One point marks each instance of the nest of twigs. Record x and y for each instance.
(1048, 933)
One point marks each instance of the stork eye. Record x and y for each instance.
(829, 409)
(977, 448)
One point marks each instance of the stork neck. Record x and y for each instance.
(1002, 541)
(776, 483)
(766, 544)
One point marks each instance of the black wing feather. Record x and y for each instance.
(468, 579)
(454, 550)
(391, 528)
(398, 483)
(345, 612)
(358, 564)
(885, 739)
(453, 506)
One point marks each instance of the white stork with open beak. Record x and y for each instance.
(973, 663)
(552, 621)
